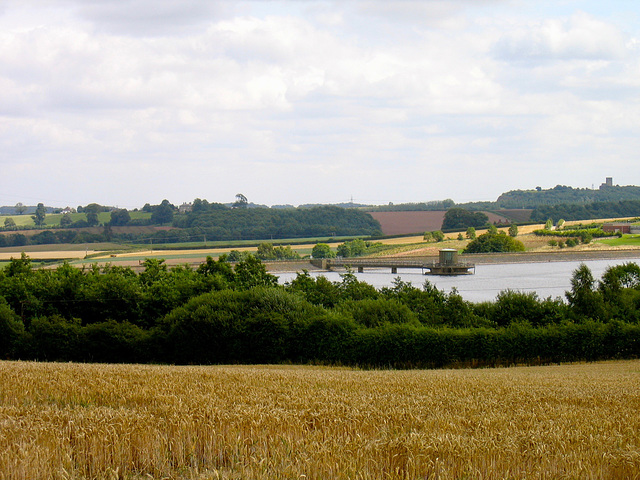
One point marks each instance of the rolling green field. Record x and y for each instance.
(625, 240)
(53, 219)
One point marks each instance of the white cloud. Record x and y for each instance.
(152, 17)
(579, 37)
(374, 99)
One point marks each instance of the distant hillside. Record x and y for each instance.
(402, 223)
(408, 222)
(589, 211)
(561, 194)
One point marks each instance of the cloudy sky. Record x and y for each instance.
(128, 102)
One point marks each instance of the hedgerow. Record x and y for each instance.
(222, 313)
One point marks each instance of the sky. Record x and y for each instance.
(124, 103)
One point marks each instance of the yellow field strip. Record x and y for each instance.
(70, 254)
(236, 422)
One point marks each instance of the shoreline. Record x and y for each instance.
(543, 257)
(489, 258)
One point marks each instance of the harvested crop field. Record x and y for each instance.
(400, 223)
(283, 422)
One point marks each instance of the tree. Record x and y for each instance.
(617, 277)
(322, 250)
(438, 236)
(513, 230)
(241, 201)
(9, 223)
(20, 208)
(18, 266)
(471, 233)
(459, 218)
(91, 211)
(66, 220)
(162, 213)
(585, 236)
(344, 250)
(199, 206)
(11, 329)
(583, 297)
(251, 272)
(120, 217)
(40, 215)
(548, 225)
(220, 267)
(494, 242)
(265, 251)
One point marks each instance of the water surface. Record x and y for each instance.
(547, 279)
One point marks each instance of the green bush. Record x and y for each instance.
(494, 242)
(11, 330)
(377, 312)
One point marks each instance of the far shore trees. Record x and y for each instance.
(20, 208)
(494, 242)
(460, 218)
(40, 214)
(322, 250)
(66, 220)
(471, 233)
(120, 217)
(91, 211)
(162, 213)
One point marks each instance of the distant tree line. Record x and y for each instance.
(219, 222)
(589, 211)
(435, 205)
(461, 219)
(224, 312)
(495, 241)
(213, 221)
(561, 194)
(50, 237)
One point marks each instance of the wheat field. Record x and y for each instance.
(77, 421)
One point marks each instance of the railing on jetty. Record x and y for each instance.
(427, 267)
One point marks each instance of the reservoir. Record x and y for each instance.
(547, 279)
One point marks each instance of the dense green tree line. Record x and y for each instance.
(561, 194)
(50, 237)
(435, 205)
(213, 222)
(224, 312)
(461, 219)
(221, 223)
(589, 211)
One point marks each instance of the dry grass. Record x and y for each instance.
(111, 421)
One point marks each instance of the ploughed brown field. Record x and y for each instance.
(401, 223)
(74, 421)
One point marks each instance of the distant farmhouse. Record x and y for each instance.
(621, 227)
(185, 207)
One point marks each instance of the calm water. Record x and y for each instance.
(550, 279)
